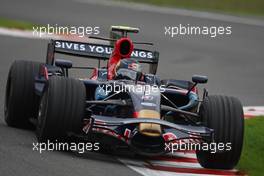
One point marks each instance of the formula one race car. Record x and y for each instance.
(134, 109)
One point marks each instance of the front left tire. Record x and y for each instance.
(21, 103)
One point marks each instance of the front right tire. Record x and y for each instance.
(225, 116)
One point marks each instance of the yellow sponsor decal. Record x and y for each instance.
(149, 129)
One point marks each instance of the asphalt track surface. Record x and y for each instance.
(234, 65)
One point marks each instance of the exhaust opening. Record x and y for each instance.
(125, 47)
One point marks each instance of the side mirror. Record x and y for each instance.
(199, 79)
(63, 63)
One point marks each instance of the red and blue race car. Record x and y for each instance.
(120, 105)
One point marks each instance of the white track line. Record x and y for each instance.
(252, 111)
(24, 34)
(185, 155)
(142, 167)
(29, 34)
(175, 164)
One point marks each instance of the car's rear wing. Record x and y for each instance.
(97, 51)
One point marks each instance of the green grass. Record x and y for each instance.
(252, 160)
(8, 23)
(243, 7)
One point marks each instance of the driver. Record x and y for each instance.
(128, 69)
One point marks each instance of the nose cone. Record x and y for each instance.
(149, 129)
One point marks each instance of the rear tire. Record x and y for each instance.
(21, 103)
(61, 109)
(224, 115)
